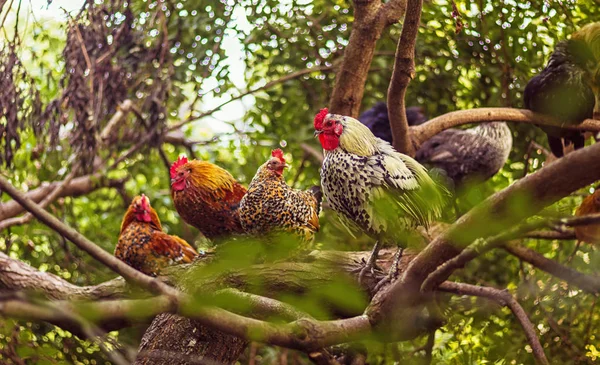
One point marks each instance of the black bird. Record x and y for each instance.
(564, 88)
(377, 120)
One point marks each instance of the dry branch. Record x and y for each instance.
(18, 276)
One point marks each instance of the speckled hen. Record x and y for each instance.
(271, 205)
(373, 187)
(206, 197)
(144, 246)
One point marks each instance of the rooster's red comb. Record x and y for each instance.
(182, 160)
(145, 202)
(278, 153)
(320, 117)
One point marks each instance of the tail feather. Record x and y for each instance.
(317, 193)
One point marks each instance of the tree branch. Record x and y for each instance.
(423, 132)
(588, 283)
(78, 186)
(121, 268)
(18, 276)
(370, 19)
(504, 298)
(503, 209)
(404, 71)
(476, 249)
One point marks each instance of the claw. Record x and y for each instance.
(370, 264)
(393, 272)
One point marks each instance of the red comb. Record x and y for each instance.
(145, 202)
(278, 153)
(320, 117)
(182, 160)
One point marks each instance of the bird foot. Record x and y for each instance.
(370, 265)
(392, 273)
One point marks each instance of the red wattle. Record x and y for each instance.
(329, 141)
(178, 185)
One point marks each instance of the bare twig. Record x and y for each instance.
(310, 150)
(476, 249)
(504, 298)
(588, 283)
(115, 121)
(551, 235)
(266, 86)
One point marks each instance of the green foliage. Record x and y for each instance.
(192, 55)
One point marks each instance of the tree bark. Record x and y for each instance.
(186, 339)
(404, 72)
(370, 19)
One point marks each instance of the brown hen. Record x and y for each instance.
(144, 246)
(206, 197)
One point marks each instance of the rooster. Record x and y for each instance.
(590, 205)
(206, 197)
(565, 88)
(272, 205)
(144, 246)
(372, 186)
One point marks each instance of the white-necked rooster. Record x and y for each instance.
(372, 186)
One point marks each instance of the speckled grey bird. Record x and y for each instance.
(468, 155)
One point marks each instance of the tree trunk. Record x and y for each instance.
(175, 340)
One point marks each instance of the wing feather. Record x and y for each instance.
(173, 247)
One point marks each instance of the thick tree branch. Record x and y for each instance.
(18, 276)
(588, 283)
(404, 71)
(423, 132)
(78, 186)
(370, 19)
(503, 209)
(476, 249)
(504, 298)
